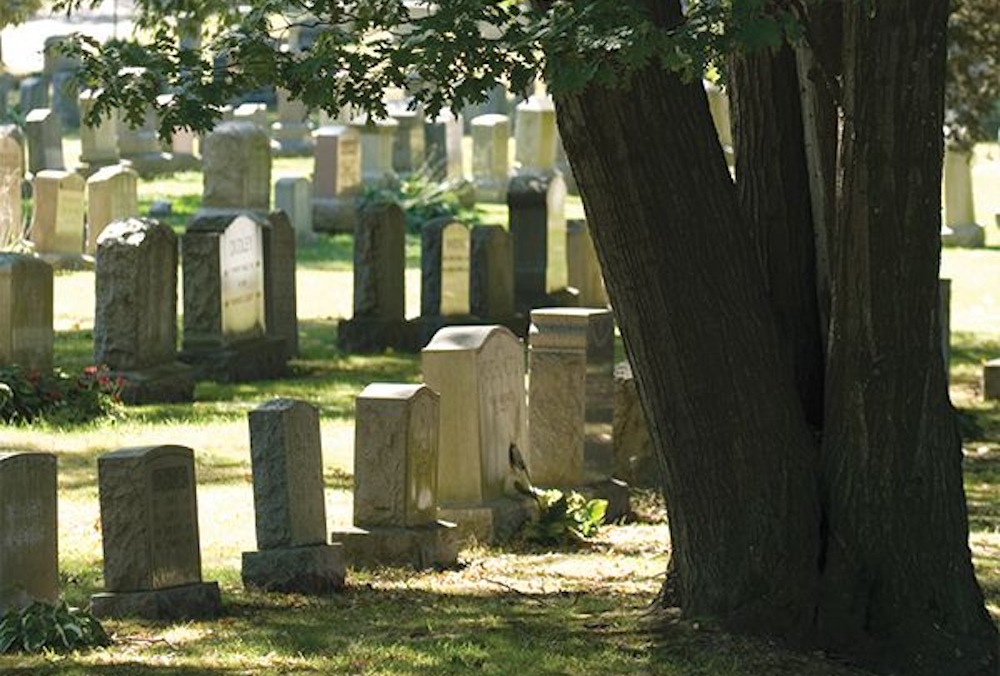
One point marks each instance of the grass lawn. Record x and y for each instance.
(505, 610)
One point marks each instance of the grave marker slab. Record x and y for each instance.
(236, 157)
(112, 195)
(535, 136)
(293, 195)
(336, 178)
(444, 262)
(33, 93)
(490, 158)
(960, 227)
(11, 178)
(491, 286)
(29, 561)
(98, 142)
(538, 228)
(290, 135)
(583, 271)
(377, 139)
(44, 135)
(57, 225)
(408, 140)
(443, 146)
(25, 311)
(280, 304)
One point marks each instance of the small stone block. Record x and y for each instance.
(432, 546)
(314, 570)
(991, 380)
(199, 601)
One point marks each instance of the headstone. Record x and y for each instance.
(495, 103)
(583, 271)
(395, 481)
(281, 316)
(55, 60)
(444, 262)
(289, 503)
(570, 362)
(44, 135)
(408, 139)
(135, 322)
(491, 285)
(98, 142)
(293, 195)
(478, 372)
(490, 159)
(535, 136)
(443, 146)
(33, 93)
(377, 141)
(25, 312)
(65, 98)
(634, 457)
(290, 135)
(960, 227)
(141, 145)
(379, 319)
(11, 178)
(149, 526)
(237, 168)
(57, 221)
(336, 178)
(112, 195)
(224, 306)
(29, 559)
(538, 228)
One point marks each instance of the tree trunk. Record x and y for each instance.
(898, 583)
(690, 301)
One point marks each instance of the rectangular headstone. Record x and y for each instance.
(443, 146)
(377, 139)
(380, 263)
(149, 518)
(43, 132)
(287, 462)
(444, 262)
(535, 135)
(491, 286)
(33, 93)
(490, 156)
(293, 195)
(583, 271)
(337, 167)
(280, 305)
(291, 133)
(395, 456)
(408, 141)
(236, 160)
(58, 221)
(25, 311)
(112, 195)
(536, 206)
(29, 561)
(98, 142)
(11, 178)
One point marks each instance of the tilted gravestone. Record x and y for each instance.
(491, 284)
(478, 372)
(395, 481)
(225, 332)
(25, 312)
(112, 195)
(289, 504)
(336, 178)
(149, 526)
(490, 156)
(536, 206)
(29, 561)
(57, 224)
(135, 322)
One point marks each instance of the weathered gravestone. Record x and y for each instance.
(960, 227)
(25, 312)
(379, 319)
(336, 178)
(280, 308)
(570, 362)
(140, 145)
(538, 228)
(444, 263)
(11, 178)
(57, 225)
(293, 195)
(149, 526)
(44, 135)
(491, 284)
(98, 141)
(135, 322)
(443, 146)
(478, 372)
(112, 195)
(377, 138)
(583, 271)
(290, 135)
(535, 136)
(33, 93)
(395, 481)
(490, 156)
(289, 504)
(634, 457)
(29, 560)
(408, 150)
(225, 335)
(60, 69)
(236, 159)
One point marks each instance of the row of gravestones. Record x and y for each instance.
(434, 462)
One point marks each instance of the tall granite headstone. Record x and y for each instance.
(293, 195)
(25, 312)
(583, 271)
(336, 178)
(377, 138)
(537, 215)
(491, 286)
(535, 136)
(236, 159)
(443, 146)
(490, 156)
(444, 262)
(98, 141)
(281, 318)
(43, 132)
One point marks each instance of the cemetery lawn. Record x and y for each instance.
(508, 610)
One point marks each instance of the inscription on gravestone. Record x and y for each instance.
(241, 263)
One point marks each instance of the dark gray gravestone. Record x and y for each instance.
(443, 146)
(149, 525)
(43, 132)
(25, 311)
(135, 323)
(279, 281)
(444, 264)
(491, 286)
(289, 503)
(538, 229)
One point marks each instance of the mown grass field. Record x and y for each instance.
(506, 610)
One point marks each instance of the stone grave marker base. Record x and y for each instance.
(369, 335)
(431, 546)
(167, 383)
(334, 214)
(492, 522)
(315, 569)
(188, 602)
(257, 359)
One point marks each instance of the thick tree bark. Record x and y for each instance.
(898, 584)
(690, 300)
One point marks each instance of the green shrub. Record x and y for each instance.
(422, 198)
(59, 397)
(41, 626)
(563, 518)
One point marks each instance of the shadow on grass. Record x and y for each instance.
(335, 252)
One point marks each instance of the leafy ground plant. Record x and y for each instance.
(564, 517)
(57, 396)
(41, 626)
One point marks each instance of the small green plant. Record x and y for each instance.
(41, 626)
(423, 198)
(59, 397)
(563, 517)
